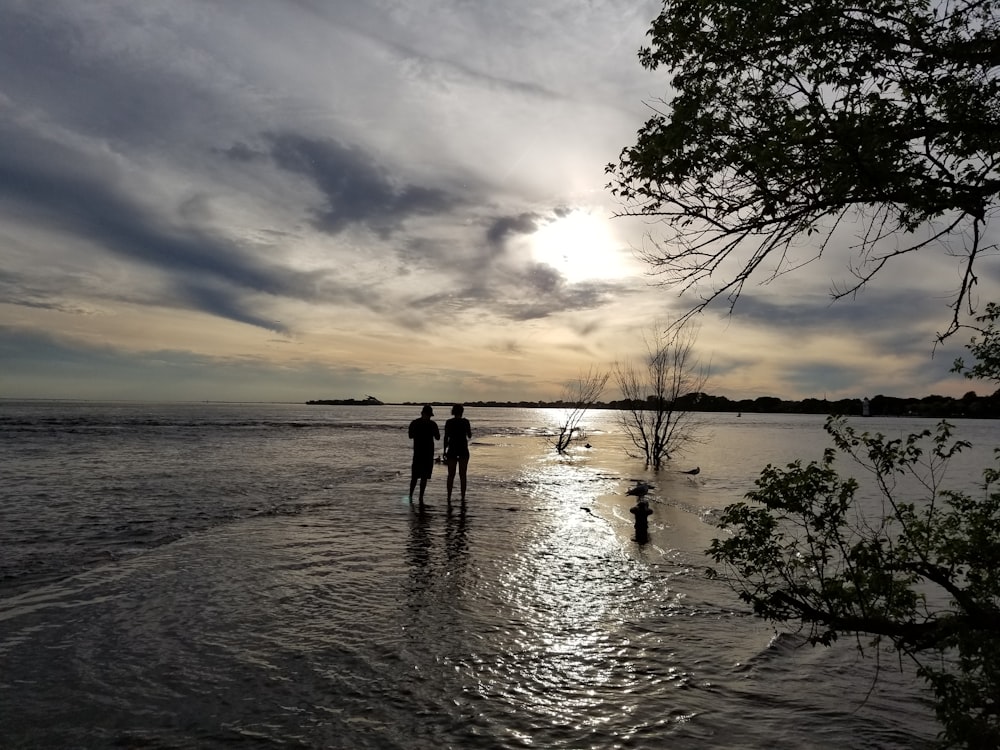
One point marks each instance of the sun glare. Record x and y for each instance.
(579, 245)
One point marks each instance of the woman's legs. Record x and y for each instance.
(463, 467)
(451, 477)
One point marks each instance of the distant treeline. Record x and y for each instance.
(970, 405)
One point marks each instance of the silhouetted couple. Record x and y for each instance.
(457, 434)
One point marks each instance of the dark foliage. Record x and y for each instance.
(789, 118)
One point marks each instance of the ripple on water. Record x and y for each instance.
(338, 615)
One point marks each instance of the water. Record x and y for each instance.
(219, 575)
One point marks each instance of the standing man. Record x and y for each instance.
(423, 432)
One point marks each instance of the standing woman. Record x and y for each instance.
(457, 434)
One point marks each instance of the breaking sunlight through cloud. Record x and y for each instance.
(580, 246)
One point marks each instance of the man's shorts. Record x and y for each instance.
(423, 465)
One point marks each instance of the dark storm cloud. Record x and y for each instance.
(83, 196)
(220, 300)
(356, 188)
(506, 226)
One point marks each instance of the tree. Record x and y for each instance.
(985, 350)
(920, 573)
(790, 117)
(581, 394)
(652, 412)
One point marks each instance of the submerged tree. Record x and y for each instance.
(921, 572)
(789, 118)
(582, 393)
(653, 414)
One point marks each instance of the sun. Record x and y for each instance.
(579, 245)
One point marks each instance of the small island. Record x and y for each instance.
(367, 401)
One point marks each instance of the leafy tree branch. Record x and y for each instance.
(787, 117)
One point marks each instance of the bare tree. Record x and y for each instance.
(582, 393)
(658, 394)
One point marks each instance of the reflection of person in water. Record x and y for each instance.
(456, 541)
(641, 511)
(457, 434)
(423, 432)
(421, 578)
(419, 547)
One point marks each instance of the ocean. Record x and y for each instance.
(211, 575)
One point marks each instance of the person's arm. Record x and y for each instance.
(468, 429)
(445, 448)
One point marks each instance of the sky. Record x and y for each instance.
(284, 200)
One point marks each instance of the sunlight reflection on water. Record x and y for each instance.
(333, 613)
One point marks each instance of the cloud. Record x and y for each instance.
(506, 226)
(889, 317)
(356, 189)
(368, 189)
(84, 194)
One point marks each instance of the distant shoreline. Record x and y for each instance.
(970, 406)
(941, 407)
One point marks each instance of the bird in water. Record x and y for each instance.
(641, 489)
(692, 472)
